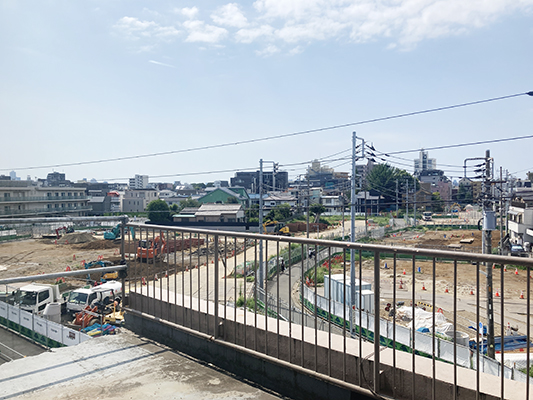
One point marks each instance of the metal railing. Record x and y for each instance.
(210, 276)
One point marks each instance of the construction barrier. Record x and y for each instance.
(38, 329)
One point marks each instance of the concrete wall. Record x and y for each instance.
(275, 361)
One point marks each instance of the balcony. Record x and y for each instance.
(43, 211)
(41, 198)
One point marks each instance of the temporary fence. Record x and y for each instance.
(38, 329)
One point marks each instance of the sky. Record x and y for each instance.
(83, 82)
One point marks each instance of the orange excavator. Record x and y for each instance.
(149, 250)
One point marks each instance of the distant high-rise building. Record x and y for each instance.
(424, 163)
(139, 182)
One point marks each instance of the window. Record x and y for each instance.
(7, 195)
(48, 206)
(62, 194)
(56, 205)
(69, 194)
(43, 296)
(49, 194)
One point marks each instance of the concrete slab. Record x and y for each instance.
(124, 366)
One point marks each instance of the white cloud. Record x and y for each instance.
(294, 24)
(133, 28)
(188, 12)
(268, 51)
(199, 31)
(230, 15)
(251, 34)
(162, 64)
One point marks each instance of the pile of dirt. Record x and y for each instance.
(76, 237)
(98, 244)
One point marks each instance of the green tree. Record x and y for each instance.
(437, 204)
(252, 212)
(317, 209)
(232, 200)
(280, 212)
(158, 211)
(465, 194)
(189, 203)
(383, 179)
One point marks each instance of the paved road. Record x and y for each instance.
(13, 347)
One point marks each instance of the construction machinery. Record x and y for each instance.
(67, 229)
(151, 249)
(114, 233)
(279, 229)
(100, 263)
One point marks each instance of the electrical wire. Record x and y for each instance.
(286, 135)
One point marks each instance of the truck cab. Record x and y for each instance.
(34, 297)
(80, 298)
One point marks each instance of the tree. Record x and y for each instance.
(280, 212)
(252, 212)
(189, 203)
(317, 209)
(465, 194)
(232, 200)
(383, 179)
(437, 204)
(158, 211)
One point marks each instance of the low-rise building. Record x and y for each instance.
(29, 198)
(136, 200)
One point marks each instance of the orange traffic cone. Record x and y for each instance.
(521, 294)
(472, 292)
(166, 274)
(516, 271)
(401, 285)
(505, 268)
(446, 290)
(74, 257)
(143, 281)
(423, 286)
(155, 277)
(68, 268)
(497, 294)
(404, 271)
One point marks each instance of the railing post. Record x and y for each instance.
(216, 333)
(376, 320)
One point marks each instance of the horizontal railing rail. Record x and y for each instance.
(276, 284)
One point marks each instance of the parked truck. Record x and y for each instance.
(80, 298)
(36, 296)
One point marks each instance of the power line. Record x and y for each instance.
(285, 135)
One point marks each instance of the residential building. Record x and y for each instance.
(520, 215)
(136, 200)
(222, 195)
(333, 204)
(424, 163)
(278, 181)
(370, 201)
(139, 182)
(29, 198)
(212, 213)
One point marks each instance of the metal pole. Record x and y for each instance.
(352, 237)
(487, 249)
(260, 274)
(414, 204)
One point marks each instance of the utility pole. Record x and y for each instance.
(352, 237)
(407, 201)
(488, 226)
(396, 198)
(261, 223)
(414, 205)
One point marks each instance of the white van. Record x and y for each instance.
(81, 298)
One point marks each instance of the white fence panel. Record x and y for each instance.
(26, 319)
(13, 314)
(55, 331)
(70, 337)
(40, 326)
(423, 343)
(3, 309)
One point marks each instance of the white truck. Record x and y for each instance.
(80, 298)
(36, 296)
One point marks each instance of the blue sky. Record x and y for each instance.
(95, 80)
